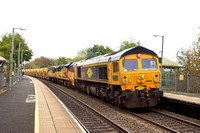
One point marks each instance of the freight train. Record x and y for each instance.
(128, 78)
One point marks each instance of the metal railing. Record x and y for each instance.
(4, 76)
(181, 83)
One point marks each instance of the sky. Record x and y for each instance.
(60, 28)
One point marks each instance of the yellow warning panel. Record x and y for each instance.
(140, 88)
(181, 77)
(89, 72)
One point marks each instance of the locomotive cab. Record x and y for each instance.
(140, 74)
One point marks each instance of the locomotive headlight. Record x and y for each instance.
(141, 77)
(125, 79)
(139, 55)
(156, 78)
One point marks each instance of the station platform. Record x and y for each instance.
(31, 107)
(17, 108)
(184, 98)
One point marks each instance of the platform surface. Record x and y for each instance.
(185, 98)
(17, 108)
(31, 107)
(50, 115)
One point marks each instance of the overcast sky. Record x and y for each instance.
(57, 28)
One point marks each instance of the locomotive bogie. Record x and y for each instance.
(143, 98)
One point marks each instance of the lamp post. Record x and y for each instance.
(18, 69)
(161, 59)
(11, 58)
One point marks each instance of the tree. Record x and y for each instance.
(190, 58)
(44, 62)
(61, 60)
(81, 55)
(41, 62)
(131, 44)
(6, 43)
(97, 50)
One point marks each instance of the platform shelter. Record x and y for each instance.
(3, 72)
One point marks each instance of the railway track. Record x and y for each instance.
(92, 120)
(180, 107)
(164, 121)
(168, 122)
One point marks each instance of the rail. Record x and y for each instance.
(92, 120)
(168, 122)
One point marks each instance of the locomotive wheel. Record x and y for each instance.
(116, 101)
(65, 83)
(83, 89)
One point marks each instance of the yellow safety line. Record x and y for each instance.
(37, 121)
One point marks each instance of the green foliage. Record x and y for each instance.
(81, 55)
(131, 44)
(169, 62)
(97, 50)
(41, 62)
(61, 60)
(190, 58)
(5, 47)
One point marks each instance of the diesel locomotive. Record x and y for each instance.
(128, 78)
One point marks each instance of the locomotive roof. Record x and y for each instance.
(115, 56)
(51, 68)
(59, 66)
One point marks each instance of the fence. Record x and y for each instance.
(4, 75)
(181, 82)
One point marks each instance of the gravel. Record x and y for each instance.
(121, 116)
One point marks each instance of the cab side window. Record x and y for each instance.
(79, 72)
(115, 67)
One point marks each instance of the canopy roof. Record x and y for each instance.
(3, 60)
